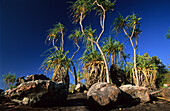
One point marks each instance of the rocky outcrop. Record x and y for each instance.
(136, 92)
(20, 80)
(36, 77)
(31, 78)
(38, 93)
(104, 94)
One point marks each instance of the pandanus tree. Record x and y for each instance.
(55, 33)
(56, 59)
(114, 49)
(93, 66)
(57, 62)
(75, 35)
(9, 80)
(80, 8)
(147, 71)
(130, 26)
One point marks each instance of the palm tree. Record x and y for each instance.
(9, 80)
(80, 8)
(55, 33)
(110, 48)
(57, 62)
(114, 49)
(130, 25)
(93, 66)
(147, 71)
(75, 35)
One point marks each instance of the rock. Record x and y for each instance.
(116, 75)
(36, 77)
(31, 78)
(1, 90)
(136, 92)
(20, 80)
(104, 94)
(38, 93)
(80, 87)
(166, 92)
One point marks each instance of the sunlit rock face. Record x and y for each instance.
(107, 96)
(104, 94)
(31, 78)
(38, 93)
(136, 92)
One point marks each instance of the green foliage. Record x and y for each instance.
(152, 68)
(168, 34)
(91, 53)
(55, 33)
(55, 58)
(84, 7)
(9, 80)
(80, 6)
(115, 49)
(127, 24)
(76, 35)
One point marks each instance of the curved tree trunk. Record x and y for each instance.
(75, 74)
(104, 59)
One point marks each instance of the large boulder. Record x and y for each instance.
(38, 93)
(136, 92)
(104, 94)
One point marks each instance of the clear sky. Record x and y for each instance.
(24, 25)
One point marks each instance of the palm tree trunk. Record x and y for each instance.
(136, 72)
(104, 59)
(75, 74)
(112, 58)
(62, 41)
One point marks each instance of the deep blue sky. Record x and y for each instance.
(24, 25)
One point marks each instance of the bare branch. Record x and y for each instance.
(76, 50)
(62, 37)
(54, 45)
(82, 29)
(103, 20)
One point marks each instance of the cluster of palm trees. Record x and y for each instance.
(96, 57)
(9, 80)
